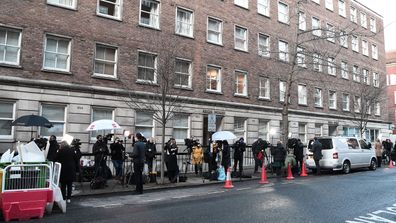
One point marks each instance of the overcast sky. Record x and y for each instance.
(386, 8)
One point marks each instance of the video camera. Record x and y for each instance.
(76, 142)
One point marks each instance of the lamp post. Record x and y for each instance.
(272, 133)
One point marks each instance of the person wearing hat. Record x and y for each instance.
(172, 167)
(138, 155)
(117, 155)
(100, 152)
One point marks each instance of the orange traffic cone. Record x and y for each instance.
(228, 182)
(391, 164)
(263, 175)
(289, 173)
(303, 171)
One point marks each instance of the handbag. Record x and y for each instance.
(221, 174)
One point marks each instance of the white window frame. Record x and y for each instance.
(331, 67)
(104, 61)
(217, 79)
(154, 69)
(283, 48)
(374, 51)
(301, 57)
(318, 126)
(93, 134)
(317, 62)
(302, 135)
(244, 39)
(302, 94)
(189, 74)
(183, 128)
(345, 102)
(302, 21)
(318, 97)
(179, 24)
(329, 5)
(357, 104)
(343, 39)
(355, 43)
(316, 27)
(316, 1)
(365, 50)
(263, 129)
(238, 127)
(242, 3)
(215, 32)
(12, 118)
(377, 109)
(54, 122)
(375, 79)
(366, 77)
(154, 20)
(344, 70)
(356, 73)
(244, 74)
(7, 45)
(152, 125)
(67, 55)
(264, 88)
(263, 7)
(263, 49)
(282, 91)
(373, 25)
(332, 100)
(363, 20)
(330, 32)
(59, 3)
(353, 14)
(342, 8)
(283, 17)
(117, 9)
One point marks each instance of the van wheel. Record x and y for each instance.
(346, 167)
(373, 164)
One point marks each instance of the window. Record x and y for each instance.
(341, 8)
(377, 109)
(149, 13)
(109, 8)
(374, 51)
(345, 102)
(56, 115)
(282, 91)
(353, 14)
(302, 94)
(344, 70)
(318, 130)
(263, 45)
(331, 68)
(98, 114)
(180, 127)
(366, 78)
(356, 73)
(263, 129)
(330, 33)
(357, 104)
(329, 5)
(373, 25)
(241, 38)
(57, 53)
(317, 62)
(184, 22)
(144, 123)
(301, 57)
(263, 7)
(318, 98)
(344, 39)
(63, 3)
(316, 27)
(215, 29)
(332, 100)
(302, 22)
(105, 61)
(302, 131)
(241, 83)
(355, 43)
(10, 46)
(363, 20)
(242, 3)
(351, 132)
(283, 51)
(365, 47)
(147, 67)
(375, 79)
(391, 79)
(264, 88)
(183, 73)
(6, 117)
(283, 12)
(213, 78)
(240, 127)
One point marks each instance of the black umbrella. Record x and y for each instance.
(32, 120)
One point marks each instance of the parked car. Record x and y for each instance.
(343, 153)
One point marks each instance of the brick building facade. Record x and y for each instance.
(68, 60)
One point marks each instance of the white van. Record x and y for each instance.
(343, 153)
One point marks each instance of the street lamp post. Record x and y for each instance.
(272, 133)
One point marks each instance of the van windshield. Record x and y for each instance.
(326, 143)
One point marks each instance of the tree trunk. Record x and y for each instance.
(163, 155)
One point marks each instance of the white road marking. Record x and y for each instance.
(372, 217)
(216, 192)
(244, 188)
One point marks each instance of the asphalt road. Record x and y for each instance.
(362, 196)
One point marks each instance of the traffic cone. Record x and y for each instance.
(289, 173)
(228, 182)
(303, 171)
(263, 175)
(391, 164)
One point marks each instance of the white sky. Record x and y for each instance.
(386, 8)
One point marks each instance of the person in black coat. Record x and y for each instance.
(317, 154)
(100, 152)
(138, 155)
(151, 150)
(117, 156)
(279, 155)
(172, 167)
(53, 148)
(225, 155)
(258, 146)
(239, 148)
(299, 153)
(68, 158)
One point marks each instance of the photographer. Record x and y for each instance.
(100, 152)
(258, 147)
(197, 157)
(172, 167)
(117, 151)
(53, 148)
(239, 148)
(151, 150)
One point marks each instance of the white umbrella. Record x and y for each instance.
(103, 124)
(223, 135)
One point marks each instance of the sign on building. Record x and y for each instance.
(211, 123)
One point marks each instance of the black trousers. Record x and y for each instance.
(238, 160)
(138, 170)
(66, 185)
(379, 161)
(317, 166)
(299, 165)
(257, 163)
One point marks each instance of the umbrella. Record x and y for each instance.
(103, 124)
(32, 120)
(223, 135)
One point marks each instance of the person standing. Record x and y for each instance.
(100, 152)
(151, 150)
(117, 156)
(197, 157)
(53, 148)
(378, 152)
(257, 147)
(172, 168)
(299, 154)
(68, 158)
(317, 153)
(226, 155)
(239, 148)
(138, 155)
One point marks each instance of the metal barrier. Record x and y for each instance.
(24, 177)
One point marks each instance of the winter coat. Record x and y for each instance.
(100, 151)
(172, 157)
(317, 150)
(378, 149)
(53, 149)
(68, 158)
(299, 151)
(279, 153)
(290, 158)
(197, 155)
(239, 148)
(139, 152)
(117, 151)
(151, 150)
(258, 146)
(226, 155)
